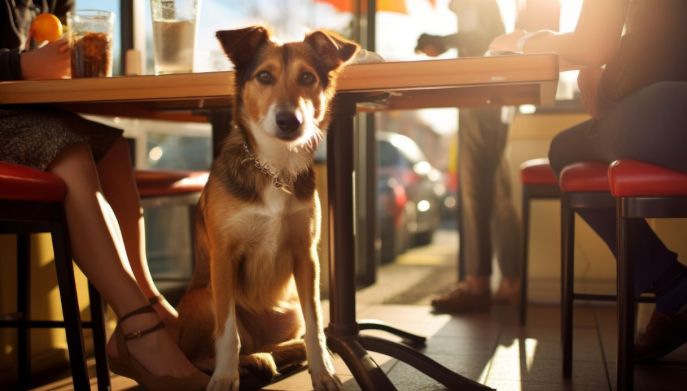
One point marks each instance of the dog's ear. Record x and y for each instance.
(242, 44)
(332, 49)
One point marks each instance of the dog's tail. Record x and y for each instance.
(288, 353)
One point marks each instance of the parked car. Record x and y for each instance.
(410, 193)
(450, 201)
(393, 231)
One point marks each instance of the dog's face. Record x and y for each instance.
(283, 91)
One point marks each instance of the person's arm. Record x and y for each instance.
(10, 64)
(51, 61)
(471, 43)
(593, 42)
(434, 45)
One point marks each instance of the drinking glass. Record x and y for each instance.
(90, 40)
(174, 33)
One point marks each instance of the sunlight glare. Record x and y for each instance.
(506, 354)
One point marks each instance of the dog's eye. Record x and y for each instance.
(306, 78)
(265, 77)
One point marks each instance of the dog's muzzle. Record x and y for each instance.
(288, 125)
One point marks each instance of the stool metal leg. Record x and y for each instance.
(70, 307)
(626, 306)
(525, 254)
(99, 338)
(24, 308)
(567, 278)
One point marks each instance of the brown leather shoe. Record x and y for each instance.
(663, 334)
(461, 300)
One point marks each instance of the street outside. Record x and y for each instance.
(418, 274)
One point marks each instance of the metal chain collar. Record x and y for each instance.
(264, 168)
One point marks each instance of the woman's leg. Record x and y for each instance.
(99, 250)
(116, 174)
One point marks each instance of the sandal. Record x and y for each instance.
(126, 365)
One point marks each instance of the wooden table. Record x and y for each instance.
(507, 80)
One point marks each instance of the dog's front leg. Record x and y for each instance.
(306, 272)
(225, 377)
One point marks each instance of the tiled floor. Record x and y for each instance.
(492, 349)
(488, 347)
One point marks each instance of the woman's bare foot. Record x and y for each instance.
(156, 351)
(167, 314)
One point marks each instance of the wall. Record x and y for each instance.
(530, 137)
(48, 346)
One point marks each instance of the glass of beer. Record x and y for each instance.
(174, 34)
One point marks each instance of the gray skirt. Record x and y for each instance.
(34, 136)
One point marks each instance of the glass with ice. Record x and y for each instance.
(90, 39)
(174, 33)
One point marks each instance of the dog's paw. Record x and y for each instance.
(224, 382)
(258, 365)
(325, 381)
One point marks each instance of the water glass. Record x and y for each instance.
(174, 34)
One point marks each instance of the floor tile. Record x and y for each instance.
(545, 343)
(547, 371)
(656, 377)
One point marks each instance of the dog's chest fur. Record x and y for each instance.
(267, 233)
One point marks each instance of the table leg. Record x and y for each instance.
(220, 119)
(343, 332)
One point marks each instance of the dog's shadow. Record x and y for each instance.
(255, 380)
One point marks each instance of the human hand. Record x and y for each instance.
(51, 61)
(431, 45)
(588, 82)
(507, 42)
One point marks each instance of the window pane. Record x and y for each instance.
(287, 19)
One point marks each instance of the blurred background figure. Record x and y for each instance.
(489, 224)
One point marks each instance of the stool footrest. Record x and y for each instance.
(40, 324)
(595, 297)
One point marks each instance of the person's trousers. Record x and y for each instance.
(489, 222)
(650, 125)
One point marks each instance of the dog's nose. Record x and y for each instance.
(287, 121)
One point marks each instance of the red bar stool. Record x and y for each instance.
(538, 183)
(642, 191)
(158, 184)
(583, 186)
(31, 202)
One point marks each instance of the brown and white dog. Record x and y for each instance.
(258, 222)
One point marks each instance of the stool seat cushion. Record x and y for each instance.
(585, 177)
(155, 183)
(537, 172)
(631, 178)
(22, 183)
